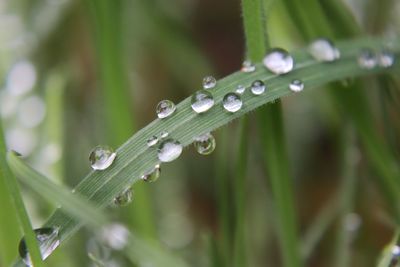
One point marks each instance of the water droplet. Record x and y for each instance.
(324, 50)
(152, 175)
(152, 141)
(48, 241)
(232, 102)
(124, 198)
(385, 58)
(165, 108)
(278, 61)
(101, 157)
(209, 82)
(296, 85)
(169, 150)
(202, 101)
(240, 89)
(395, 256)
(248, 66)
(257, 87)
(367, 59)
(164, 134)
(205, 144)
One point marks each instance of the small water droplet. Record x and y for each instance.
(209, 82)
(296, 85)
(101, 157)
(202, 101)
(324, 50)
(395, 256)
(124, 198)
(278, 61)
(152, 175)
(48, 241)
(240, 89)
(385, 58)
(205, 144)
(367, 59)
(232, 102)
(257, 87)
(152, 141)
(165, 108)
(164, 134)
(248, 66)
(169, 150)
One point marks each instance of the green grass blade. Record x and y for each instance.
(111, 52)
(134, 157)
(84, 212)
(387, 253)
(15, 195)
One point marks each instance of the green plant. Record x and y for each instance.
(134, 158)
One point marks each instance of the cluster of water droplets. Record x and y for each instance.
(369, 59)
(48, 240)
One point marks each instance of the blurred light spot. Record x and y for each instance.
(352, 222)
(21, 140)
(176, 230)
(51, 153)
(21, 78)
(115, 236)
(31, 111)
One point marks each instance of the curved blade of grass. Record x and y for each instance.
(22, 215)
(84, 212)
(134, 157)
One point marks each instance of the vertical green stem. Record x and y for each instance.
(271, 125)
(15, 195)
(106, 15)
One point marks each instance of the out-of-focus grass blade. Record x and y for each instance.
(390, 254)
(135, 157)
(20, 211)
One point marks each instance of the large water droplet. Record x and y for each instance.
(296, 85)
(164, 134)
(385, 58)
(257, 87)
(101, 157)
(324, 50)
(248, 66)
(278, 61)
(152, 141)
(205, 144)
(232, 102)
(165, 108)
(169, 150)
(367, 59)
(152, 175)
(202, 101)
(240, 89)
(209, 82)
(48, 241)
(124, 198)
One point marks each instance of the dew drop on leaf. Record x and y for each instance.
(165, 108)
(324, 50)
(101, 157)
(385, 58)
(152, 175)
(278, 61)
(164, 134)
(257, 87)
(232, 102)
(202, 101)
(169, 150)
(205, 144)
(296, 85)
(48, 241)
(240, 89)
(367, 59)
(124, 198)
(248, 66)
(209, 82)
(152, 141)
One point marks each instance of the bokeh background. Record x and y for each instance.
(75, 74)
